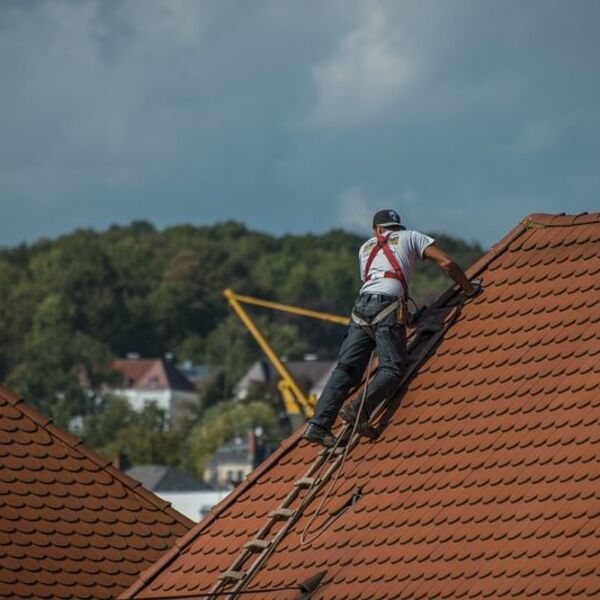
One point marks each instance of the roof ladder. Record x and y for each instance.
(265, 541)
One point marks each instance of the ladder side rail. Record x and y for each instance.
(315, 466)
(312, 492)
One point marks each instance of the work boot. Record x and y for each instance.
(349, 413)
(319, 435)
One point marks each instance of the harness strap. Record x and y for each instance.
(379, 316)
(374, 251)
(397, 273)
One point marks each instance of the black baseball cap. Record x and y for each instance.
(386, 218)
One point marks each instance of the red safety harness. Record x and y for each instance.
(382, 244)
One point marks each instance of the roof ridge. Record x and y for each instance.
(77, 444)
(561, 219)
(483, 262)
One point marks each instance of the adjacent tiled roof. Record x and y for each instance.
(485, 482)
(152, 373)
(163, 478)
(71, 524)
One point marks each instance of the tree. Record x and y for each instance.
(54, 356)
(143, 437)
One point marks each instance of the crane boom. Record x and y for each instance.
(296, 310)
(295, 400)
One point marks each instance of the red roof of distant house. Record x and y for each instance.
(152, 373)
(485, 482)
(71, 524)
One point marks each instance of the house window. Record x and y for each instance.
(234, 476)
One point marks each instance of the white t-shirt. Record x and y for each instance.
(407, 246)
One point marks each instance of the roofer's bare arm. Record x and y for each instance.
(442, 260)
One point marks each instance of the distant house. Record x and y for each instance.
(198, 374)
(310, 374)
(234, 460)
(158, 381)
(188, 495)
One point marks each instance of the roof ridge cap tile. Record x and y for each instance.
(76, 444)
(562, 219)
(543, 219)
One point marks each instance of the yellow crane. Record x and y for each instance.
(296, 402)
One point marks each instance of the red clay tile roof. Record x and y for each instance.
(71, 524)
(486, 481)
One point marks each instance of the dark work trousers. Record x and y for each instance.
(389, 342)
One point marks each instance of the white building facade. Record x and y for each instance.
(155, 381)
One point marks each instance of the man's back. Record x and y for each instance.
(407, 245)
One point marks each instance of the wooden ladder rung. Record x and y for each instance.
(232, 575)
(305, 482)
(327, 451)
(281, 513)
(257, 545)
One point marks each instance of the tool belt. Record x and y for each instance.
(398, 306)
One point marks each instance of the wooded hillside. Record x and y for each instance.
(86, 297)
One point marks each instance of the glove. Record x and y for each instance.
(477, 287)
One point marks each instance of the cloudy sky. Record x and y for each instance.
(297, 115)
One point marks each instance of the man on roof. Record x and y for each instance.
(378, 323)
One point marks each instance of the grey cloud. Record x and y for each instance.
(296, 116)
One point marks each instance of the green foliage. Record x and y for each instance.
(69, 305)
(110, 414)
(53, 356)
(143, 437)
(225, 421)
